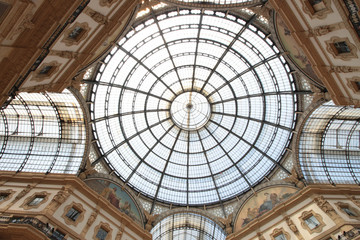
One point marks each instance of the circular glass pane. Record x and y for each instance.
(193, 107)
(190, 111)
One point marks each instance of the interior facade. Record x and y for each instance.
(180, 119)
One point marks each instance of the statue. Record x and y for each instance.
(88, 171)
(260, 236)
(150, 219)
(23, 192)
(294, 178)
(227, 223)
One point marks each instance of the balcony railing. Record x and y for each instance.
(34, 222)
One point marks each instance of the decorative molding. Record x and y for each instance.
(277, 232)
(341, 205)
(315, 13)
(344, 56)
(325, 206)
(59, 198)
(82, 35)
(293, 228)
(22, 193)
(307, 214)
(260, 236)
(64, 54)
(325, 29)
(120, 233)
(107, 3)
(106, 227)
(343, 69)
(96, 16)
(90, 221)
(355, 201)
(43, 194)
(78, 207)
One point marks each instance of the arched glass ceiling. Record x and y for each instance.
(187, 226)
(217, 3)
(42, 133)
(329, 148)
(193, 108)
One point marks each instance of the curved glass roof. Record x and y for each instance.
(193, 107)
(216, 3)
(329, 147)
(42, 132)
(187, 226)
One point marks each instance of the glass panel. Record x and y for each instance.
(101, 234)
(198, 104)
(312, 222)
(73, 214)
(36, 201)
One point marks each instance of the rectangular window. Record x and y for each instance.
(312, 222)
(280, 237)
(342, 47)
(349, 212)
(74, 35)
(45, 70)
(101, 234)
(36, 200)
(73, 214)
(3, 196)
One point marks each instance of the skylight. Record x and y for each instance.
(193, 107)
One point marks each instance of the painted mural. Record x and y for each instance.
(262, 202)
(117, 197)
(295, 52)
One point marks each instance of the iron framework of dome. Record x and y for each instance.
(217, 4)
(193, 107)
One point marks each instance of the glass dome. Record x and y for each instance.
(193, 107)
